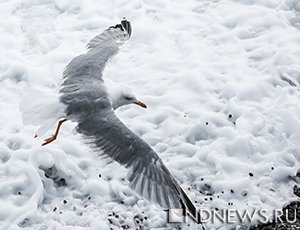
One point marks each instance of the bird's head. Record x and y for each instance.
(122, 95)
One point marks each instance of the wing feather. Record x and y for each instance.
(118, 34)
(148, 176)
(83, 83)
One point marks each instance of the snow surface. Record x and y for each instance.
(221, 80)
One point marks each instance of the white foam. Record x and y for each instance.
(221, 81)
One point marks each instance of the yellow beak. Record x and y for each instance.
(142, 104)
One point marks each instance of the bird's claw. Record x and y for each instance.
(49, 140)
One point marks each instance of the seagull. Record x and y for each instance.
(87, 102)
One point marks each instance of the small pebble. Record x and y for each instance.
(65, 202)
(230, 115)
(251, 174)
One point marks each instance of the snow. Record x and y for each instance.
(221, 82)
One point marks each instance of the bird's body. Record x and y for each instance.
(86, 101)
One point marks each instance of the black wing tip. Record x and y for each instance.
(125, 25)
(189, 207)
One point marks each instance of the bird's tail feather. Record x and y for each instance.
(40, 108)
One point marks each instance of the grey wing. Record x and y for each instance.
(101, 49)
(147, 175)
(83, 83)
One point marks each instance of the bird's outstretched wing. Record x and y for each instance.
(147, 173)
(83, 83)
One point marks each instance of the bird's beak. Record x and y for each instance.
(142, 104)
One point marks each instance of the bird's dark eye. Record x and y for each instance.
(128, 98)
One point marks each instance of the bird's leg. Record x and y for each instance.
(54, 136)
